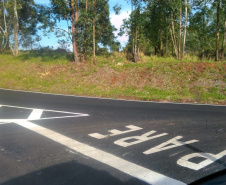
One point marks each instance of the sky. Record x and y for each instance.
(116, 20)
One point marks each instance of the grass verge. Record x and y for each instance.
(156, 79)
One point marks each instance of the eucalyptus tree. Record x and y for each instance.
(3, 26)
(133, 28)
(224, 29)
(135, 18)
(9, 14)
(175, 11)
(18, 21)
(201, 29)
(219, 7)
(151, 26)
(28, 23)
(88, 24)
(206, 27)
(185, 26)
(67, 10)
(223, 42)
(157, 24)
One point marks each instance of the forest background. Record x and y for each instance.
(175, 49)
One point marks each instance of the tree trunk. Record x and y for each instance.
(94, 33)
(76, 10)
(172, 31)
(136, 55)
(85, 34)
(161, 45)
(133, 34)
(16, 29)
(161, 48)
(74, 31)
(203, 40)
(156, 50)
(132, 48)
(166, 45)
(223, 42)
(185, 28)
(4, 29)
(218, 27)
(179, 42)
(136, 47)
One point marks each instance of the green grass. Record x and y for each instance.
(154, 78)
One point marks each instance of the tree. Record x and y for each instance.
(88, 26)
(10, 15)
(66, 10)
(16, 29)
(207, 28)
(3, 27)
(224, 29)
(185, 28)
(220, 14)
(217, 31)
(132, 27)
(223, 42)
(19, 22)
(156, 24)
(197, 25)
(201, 29)
(94, 32)
(74, 20)
(151, 27)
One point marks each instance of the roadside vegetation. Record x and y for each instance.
(153, 78)
(175, 50)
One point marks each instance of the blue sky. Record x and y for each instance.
(116, 20)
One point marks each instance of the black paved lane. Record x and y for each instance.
(27, 157)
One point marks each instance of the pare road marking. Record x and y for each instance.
(115, 132)
(124, 142)
(208, 158)
(172, 143)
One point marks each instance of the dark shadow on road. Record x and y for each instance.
(70, 173)
(216, 178)
(196, 150)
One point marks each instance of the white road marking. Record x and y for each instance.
(115, 132)
(35, 114)
(124, 142)
(209, 159)
(49, 110)
(122, 165)
(172, 143)
(15, 120)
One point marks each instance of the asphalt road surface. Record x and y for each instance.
(54, 139)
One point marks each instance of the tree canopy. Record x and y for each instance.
(155, 27)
